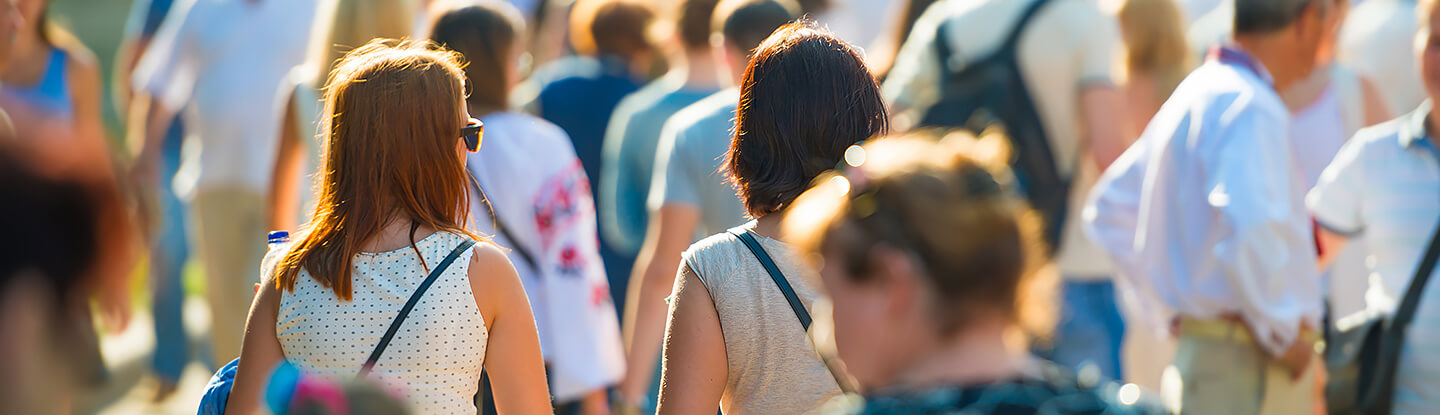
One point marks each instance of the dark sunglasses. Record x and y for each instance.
(472, 133)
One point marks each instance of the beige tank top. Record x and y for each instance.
(773, 367)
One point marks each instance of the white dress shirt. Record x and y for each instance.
(1216, 202)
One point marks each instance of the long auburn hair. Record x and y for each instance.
(390, 133)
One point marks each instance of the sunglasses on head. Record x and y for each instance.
(472, 133)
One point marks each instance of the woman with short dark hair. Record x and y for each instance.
(733, 337)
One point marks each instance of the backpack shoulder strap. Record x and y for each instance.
(775, 274)
(409, 305)
(1012, 39)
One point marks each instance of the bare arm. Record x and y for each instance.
(285, 183)
(671, 229)
(514, 349)
(85, 80)
(693, 376)
(1106, 126)
(1330, 245)
(259, 353)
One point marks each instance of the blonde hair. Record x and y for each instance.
(948, 203)
(347, 24)
(1154, 34)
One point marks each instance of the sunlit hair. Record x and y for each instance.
(1154, 33)
(345, 24)
(611, 27)
(487, 34)
(806, 96)
(949, 204)
(390, 135)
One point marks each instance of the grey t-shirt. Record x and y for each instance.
(692, 148)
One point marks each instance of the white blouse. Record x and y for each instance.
(435, 358)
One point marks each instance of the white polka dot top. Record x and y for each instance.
(435, 358)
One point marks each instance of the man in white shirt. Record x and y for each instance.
(1206, 219)
(1066, 56)
(222, 61)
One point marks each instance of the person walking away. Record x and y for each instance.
(1376, 41)
(52, 94)
(932, 264)
(221, 61)
(340, 26)
(1383, 192)
(167, 236)
(530, 193)
(688, 196)
(579, 93)
(1227, 251)
(1156, 58)
(1065, 51)
(391, 206)
(733, 338)
(628, 156)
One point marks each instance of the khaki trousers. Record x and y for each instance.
(1232, 377)
(229, 234)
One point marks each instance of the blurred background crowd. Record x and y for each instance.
(156, 142)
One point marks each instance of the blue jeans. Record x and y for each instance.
(168, 254)
(1090, 330)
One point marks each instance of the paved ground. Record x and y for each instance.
(132, 388)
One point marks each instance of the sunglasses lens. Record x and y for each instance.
(472, 142)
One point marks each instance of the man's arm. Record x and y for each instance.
(671, 229)
(1106, 126)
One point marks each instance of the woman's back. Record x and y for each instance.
(45, 108)
(434, 359)
(773, 368)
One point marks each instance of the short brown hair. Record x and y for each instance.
(692, 19)
(806, 96)
(746, 23)
(949, 204)
(611, 27)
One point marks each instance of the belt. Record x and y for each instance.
(1231, 329)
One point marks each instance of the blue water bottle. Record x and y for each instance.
(278, 237)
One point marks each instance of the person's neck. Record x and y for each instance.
(1430, 124)
(700, 70)
(1273, 54)
(395, 234)
(769, 225)
(981, 353)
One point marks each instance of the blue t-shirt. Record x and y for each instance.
(629, 158)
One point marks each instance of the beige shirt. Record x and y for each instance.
(1067, 47)
(773, 366)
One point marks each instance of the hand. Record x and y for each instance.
(595, 403)
(1300, 354)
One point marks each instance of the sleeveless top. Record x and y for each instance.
(435, 358)
(46, 109)
(772, 365)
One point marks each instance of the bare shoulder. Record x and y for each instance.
(492, 278)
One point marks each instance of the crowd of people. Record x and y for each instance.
(736, 206)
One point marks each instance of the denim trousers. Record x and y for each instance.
(1090, 330)
(168, 252)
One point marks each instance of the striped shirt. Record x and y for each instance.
(1384, 189)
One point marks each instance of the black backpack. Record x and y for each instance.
(991, 91)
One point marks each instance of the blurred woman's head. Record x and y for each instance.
(921, 240)
(1154, 35)
(391, 152)
(488, 36)
(346, 24)
(804, 99)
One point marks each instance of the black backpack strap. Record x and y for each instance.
(1008, 45)
(501, 228)
(776, 275)
(414, 298)
(1411, 302)
(1013, 39)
